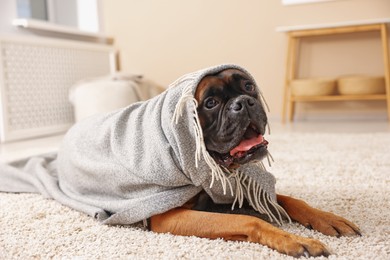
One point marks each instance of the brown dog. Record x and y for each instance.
(228, 100)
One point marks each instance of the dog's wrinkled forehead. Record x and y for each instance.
(219, 81)
(232, 74)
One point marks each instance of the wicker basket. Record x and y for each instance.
(313, 87)
(361, 85)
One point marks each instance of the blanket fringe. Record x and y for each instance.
(217, 173)
(258, 198)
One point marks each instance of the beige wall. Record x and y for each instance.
(165, 39)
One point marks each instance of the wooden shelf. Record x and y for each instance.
(296, 33)
(338, 98)
(344, 24)
(336, 30)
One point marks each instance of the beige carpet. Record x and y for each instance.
(348, 174)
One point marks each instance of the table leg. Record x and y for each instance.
(386, 60)
(291, 61)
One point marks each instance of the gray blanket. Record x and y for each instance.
(142, 160)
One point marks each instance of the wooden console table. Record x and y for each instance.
(295, 33)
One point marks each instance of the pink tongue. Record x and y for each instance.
(247, 144)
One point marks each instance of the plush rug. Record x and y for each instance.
(348, 174)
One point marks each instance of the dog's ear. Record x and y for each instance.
(200, 89)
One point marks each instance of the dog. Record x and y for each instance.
(233, 121)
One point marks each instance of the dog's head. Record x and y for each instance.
(232, 118)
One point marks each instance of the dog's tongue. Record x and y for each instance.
(247, 144)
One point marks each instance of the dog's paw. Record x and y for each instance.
(331, 224)
(297, 246)
(284, 242)
(324, 222)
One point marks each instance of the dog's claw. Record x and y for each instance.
(306, 254)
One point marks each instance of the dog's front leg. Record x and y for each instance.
(325, 222)
(186, 222)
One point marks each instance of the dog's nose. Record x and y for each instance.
(240, 102)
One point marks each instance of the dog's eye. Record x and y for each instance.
(210, 103)
(249, 87)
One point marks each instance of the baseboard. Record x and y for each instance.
(334, 117)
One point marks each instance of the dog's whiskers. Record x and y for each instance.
(268, 128)
(270, 158)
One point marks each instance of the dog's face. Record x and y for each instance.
(232, 118)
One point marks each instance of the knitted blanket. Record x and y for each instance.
(142, 160)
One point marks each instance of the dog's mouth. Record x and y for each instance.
(251, 146)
